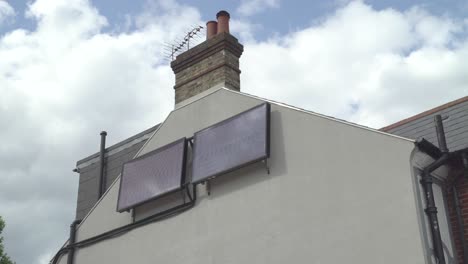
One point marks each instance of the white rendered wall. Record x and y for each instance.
(337, 193)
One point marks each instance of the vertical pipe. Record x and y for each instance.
(440, 133)
(427, 181)
(102, 180)
(72, 240)
(431, 210)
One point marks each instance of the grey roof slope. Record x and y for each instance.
(115, 156)
(422, 125)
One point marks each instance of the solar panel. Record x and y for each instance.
(232, 143)
(152, 175)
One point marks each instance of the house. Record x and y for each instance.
(454, 189)
(256, 181)
(91, 183)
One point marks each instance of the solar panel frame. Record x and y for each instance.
(227, 170)
(182, 184)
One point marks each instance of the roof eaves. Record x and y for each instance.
(425, 113)
(117, 146)
(320, 115)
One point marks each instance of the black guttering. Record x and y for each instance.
(442, 156)
(72, 246)
(427, 181)
(428, 148)
(102, 152)
(71, 251)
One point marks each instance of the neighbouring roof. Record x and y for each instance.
(422, 125)
(115, 156)
(117, 147)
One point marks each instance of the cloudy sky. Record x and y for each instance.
(71, 68)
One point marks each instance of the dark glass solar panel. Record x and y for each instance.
(232, 143)
(152, 175)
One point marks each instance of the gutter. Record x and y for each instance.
(73, 245)
(442, 155)
(72, 240)
(431, 209)
(427, 181)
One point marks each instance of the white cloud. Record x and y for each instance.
(61, 84)
(244, 30)
(6, 12)
(250, 7)
(368, 66)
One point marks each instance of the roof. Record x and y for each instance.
(422, 125)
(117, 147)
(425, 113)
(320, 115)
(115, 156)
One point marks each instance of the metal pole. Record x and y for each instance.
(440, 133)
(431, 209)
(427, 181)
(102, 180)
(72, 240)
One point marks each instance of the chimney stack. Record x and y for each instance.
(211, 64)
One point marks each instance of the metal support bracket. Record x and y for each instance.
(133, 215)
(267, 167)
(208, 187)
(182, 193)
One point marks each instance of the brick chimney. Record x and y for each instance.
(213, 63)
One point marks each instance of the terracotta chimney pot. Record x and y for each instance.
(223, 21)
(211, 29)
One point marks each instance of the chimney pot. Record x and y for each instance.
(223, 21)
(211, 29)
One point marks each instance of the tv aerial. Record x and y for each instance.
(192, 38)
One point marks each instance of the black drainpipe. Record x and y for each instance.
(72, 240)
(427, 181)
(102, 180)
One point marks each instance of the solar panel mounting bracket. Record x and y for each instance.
(208, 187)
(267, 167)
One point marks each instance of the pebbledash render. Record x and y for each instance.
(330, 192)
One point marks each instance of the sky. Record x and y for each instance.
(70, 69)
